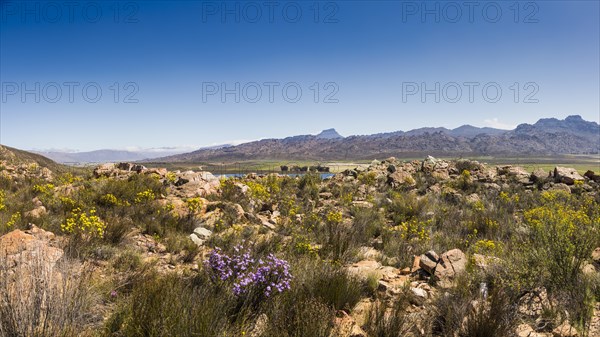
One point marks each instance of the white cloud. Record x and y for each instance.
(495, 123)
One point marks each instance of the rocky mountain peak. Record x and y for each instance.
(329, 134)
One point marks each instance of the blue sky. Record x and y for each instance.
(361, 67)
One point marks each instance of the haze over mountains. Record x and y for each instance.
(104, 156)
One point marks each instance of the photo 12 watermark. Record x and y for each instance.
(470, 11)
(469, 92)
(69, 92)
(269, 12)
(270, 92)
(72, 12)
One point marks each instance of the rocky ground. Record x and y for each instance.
(407, 251)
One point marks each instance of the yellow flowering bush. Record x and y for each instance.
(68, 203)
(171, 177)
(87, 223)
(194, 205)
(110, 200)
(334, 217)
(13, 220)
(46, 189)
(145, 197)
(487, 247)
(564, 231)
(258, 191)
(2, 200)
(412, 230)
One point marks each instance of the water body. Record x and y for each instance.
(241, 175)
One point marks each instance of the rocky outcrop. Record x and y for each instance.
(444, 268)
(566, 175)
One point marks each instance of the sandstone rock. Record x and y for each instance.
(566, 175)
(37, 202)
(525, 330)
(37, 212)
(540, 176)
(369, 253)
(429, 261)
(452, 263)
(362, 204)
(565, 330)
(418, 296)
(345, 326)
(592, 176)
(429, 164)
(484, 262)
(361, 311)
(326, 195)
(104, 170)
(363, 269)
(596, 256)
(473, 198)
(589, 269)
(533, 303)
(400, 178)
(261, 325)
(199, 242)
(515, 173)
(560, 187)
(33, 243)
(416, 264)
(202, 233)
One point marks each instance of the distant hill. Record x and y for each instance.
(15, 157)
(572, 135)
(109, 156)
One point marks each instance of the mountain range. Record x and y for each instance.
(547, 137)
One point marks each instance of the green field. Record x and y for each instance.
(580, 163)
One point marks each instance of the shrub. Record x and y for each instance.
(389, 322)
(42, 300)
(84, 223)
(248, 276)
(171, 305)
(336, 288)
(297, 315)
(492, 317)
(562, 237)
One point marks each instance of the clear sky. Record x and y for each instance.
(196, 73)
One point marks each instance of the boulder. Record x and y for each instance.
(361, 311)
(400, 178)
(540, 176)
(363, 269)
(560, 187)
(451, 264)
(429, 261)
(36, 213)
(596, 255)
(515, 173)
(566, 175)
(592, 176)
(345, 326)
(418, 296)
(565, 330)
(202, 233)
(533, 303)
(105, 170)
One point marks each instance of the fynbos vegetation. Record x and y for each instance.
(421, 248)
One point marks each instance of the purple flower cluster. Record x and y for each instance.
(247, 274)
